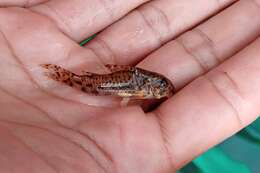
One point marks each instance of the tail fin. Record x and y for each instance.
(60, 74)
(81, 82)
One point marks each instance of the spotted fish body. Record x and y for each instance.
(123, 81)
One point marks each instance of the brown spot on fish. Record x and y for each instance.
(123, 81)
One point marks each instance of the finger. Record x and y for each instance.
(206, 46)
(20, 3)
(150, 26)
(213, 107)
(82, 18)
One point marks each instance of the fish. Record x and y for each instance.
(122, 81)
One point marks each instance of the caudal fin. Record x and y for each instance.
(60, 74)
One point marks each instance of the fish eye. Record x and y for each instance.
(163, 84)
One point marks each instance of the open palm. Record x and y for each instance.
(48, 127)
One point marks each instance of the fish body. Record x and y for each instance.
(123, 81)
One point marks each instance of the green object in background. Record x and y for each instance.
(87, 40)
(238, 154)
(216, 161)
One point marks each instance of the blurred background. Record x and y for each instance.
(238, 154)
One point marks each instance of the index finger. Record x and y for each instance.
(150, 26)
(80, 19)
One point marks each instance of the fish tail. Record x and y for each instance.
(57, 73)
(60, 74)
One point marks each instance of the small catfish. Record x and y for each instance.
(123, 81)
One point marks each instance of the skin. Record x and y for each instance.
(48, 127)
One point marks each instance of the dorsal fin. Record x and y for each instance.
(115, 68)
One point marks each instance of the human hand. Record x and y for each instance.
(47, 127)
